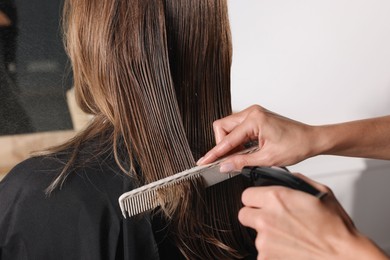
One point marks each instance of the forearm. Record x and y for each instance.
(369, 138)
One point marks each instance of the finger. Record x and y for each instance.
(267, 197)
(237, 162)
(224, 126)
(210, 156)
(220, 150)
(219, 133)
(239, 135)
(254, 196)
(251, 217)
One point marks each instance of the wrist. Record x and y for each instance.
(319, 140)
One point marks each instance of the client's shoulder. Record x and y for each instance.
(35, 172)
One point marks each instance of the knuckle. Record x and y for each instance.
(273, 194)
(261, 246)
(259, 242)
(277, 194)
(255, 107)
(268, 159)
(260, 224)
(249, 195)
(240, 161)
(245, 196)
(257, 112)
(217, 124)
(241, 215)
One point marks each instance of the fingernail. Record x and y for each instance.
(200, 160)
(206, 158)
(226, 167)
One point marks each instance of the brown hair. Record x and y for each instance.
(155, 74)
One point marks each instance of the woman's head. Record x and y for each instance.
(156, 74)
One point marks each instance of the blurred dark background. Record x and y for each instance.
(34, 69)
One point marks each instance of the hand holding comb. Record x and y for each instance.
(146, 197)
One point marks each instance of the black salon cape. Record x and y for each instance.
(82, 220)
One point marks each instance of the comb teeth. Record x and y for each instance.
(141, 202)
(146, 198)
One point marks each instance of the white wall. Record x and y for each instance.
(321, 62)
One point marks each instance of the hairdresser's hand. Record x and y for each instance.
(283, 141)
(292, 224)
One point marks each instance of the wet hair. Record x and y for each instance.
(155, 74)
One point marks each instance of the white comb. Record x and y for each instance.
(146, 198)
